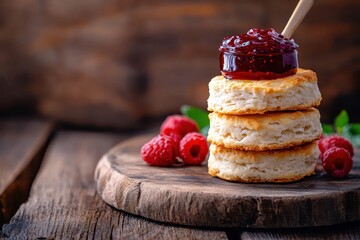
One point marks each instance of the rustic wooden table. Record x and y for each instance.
(47, 191)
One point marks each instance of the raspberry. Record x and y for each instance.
(193, 148)
(337, 162)
(178, 125)
(176, 139)
(159, 151)
(335, 141)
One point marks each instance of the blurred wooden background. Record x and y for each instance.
(120, 63)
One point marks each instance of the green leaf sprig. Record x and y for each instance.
(200, 116)
(344, 128)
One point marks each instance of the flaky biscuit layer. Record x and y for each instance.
(237, 97)
(286, 165)
(269, 131)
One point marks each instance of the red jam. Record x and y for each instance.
(258, 54)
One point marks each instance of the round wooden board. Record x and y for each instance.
(189, 196)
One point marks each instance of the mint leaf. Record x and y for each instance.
(204, 131)
(341, 120)
(355, 128)
(197, 114)
(355, 140)
(346, 132)
(327, 128)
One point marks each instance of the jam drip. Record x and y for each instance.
(258, 54)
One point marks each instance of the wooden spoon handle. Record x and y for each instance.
(297, 16)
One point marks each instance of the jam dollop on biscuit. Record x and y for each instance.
(258, 54)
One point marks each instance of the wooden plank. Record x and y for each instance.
(22, 144)
(170, 52)
(343, 231)
(64, 204)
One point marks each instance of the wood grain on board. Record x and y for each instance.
(342, 231)
(192, 197)
(22, 143)
(63, 203)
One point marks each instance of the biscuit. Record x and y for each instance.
(269, 131)
(237, 97)
(285, 165)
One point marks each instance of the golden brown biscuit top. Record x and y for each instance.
(267, 86)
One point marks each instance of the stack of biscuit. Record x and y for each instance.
(264, 130)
